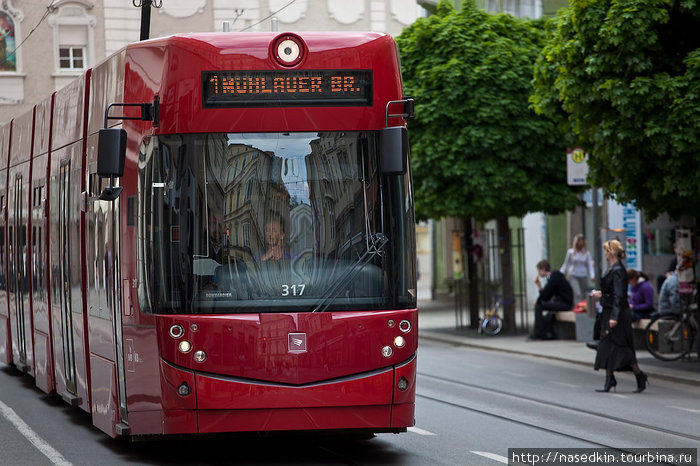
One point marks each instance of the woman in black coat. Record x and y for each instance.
(616, 348)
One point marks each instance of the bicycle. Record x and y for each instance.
(492, 323)
(671, 336)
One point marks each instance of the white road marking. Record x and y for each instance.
(570, 385)
(47, 450)
(516, 374)
(690, 410)
(419, 431)
(492, 456)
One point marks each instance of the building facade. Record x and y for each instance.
(45, 45)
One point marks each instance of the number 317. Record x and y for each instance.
(293, 290)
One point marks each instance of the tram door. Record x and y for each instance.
(115, 298)
(105, 290)
(18, 273)
(64, 295)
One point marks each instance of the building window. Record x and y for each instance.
(73, 38)
(11, 79)
(246, 234)
(71, 58)
(8, 61)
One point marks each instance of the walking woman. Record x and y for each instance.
(579, 266)
(616, 349)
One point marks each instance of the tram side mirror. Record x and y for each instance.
(111, 153)
(393, 146)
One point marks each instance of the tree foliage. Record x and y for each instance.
(478, 149)
(624, 78)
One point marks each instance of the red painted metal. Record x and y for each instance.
(255, 346)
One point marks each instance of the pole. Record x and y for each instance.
(596, 238)
(145, 19)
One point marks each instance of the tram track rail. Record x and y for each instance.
(545, 404)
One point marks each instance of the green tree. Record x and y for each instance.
(624, 79)
(478, 149)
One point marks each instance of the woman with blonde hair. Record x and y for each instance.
(579, 266)
(616, 348)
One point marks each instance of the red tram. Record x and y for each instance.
(214, 233)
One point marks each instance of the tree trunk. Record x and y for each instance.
(505, 251)
(471, 274)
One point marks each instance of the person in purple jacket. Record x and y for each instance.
(641, 295)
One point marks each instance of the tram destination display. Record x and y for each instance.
(292, 88)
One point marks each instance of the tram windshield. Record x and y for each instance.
(272, 222)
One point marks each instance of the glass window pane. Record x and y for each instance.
(306, 240)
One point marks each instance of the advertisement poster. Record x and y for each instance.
(626, 217)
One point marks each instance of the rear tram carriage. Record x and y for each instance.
(214, 233)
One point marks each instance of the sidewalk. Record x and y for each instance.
(436, 321)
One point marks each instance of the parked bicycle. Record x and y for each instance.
(672, 336)
(492, 322)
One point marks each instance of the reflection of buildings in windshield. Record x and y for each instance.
(337, 164)
(254, 193)
(316, 195)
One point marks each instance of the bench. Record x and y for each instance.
(566, 325)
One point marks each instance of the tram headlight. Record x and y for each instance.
(387, 351)
(391, 323)
(184, 346)
(405, 326)
(194, 327)
(288, 50)
(199, 356)
(399, 341)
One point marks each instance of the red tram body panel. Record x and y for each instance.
(255, 270)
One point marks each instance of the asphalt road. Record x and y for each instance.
(472, 406)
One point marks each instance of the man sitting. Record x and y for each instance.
(669, 299)
(555, 296)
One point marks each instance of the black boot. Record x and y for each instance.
(610, 382)
(641, 381)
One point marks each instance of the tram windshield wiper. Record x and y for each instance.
(375, 246)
